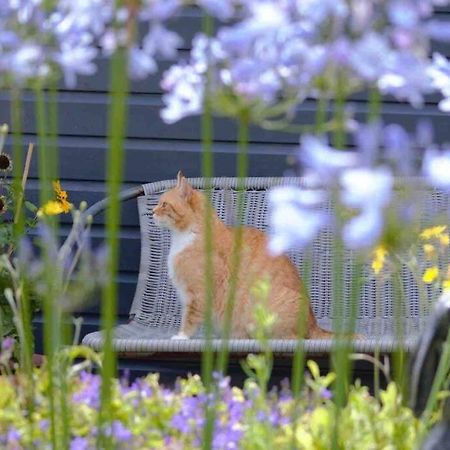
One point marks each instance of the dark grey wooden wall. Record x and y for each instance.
(155, 151)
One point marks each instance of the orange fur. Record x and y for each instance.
(182, 210)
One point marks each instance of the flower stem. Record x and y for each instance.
(374, 105)
(50, 317)
(339, 136)
(207, 170)
(241, 170)
(117, 130)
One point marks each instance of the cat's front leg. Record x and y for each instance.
(191, 318)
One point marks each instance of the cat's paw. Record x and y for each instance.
(179, 336)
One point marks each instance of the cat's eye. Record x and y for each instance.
(163, 204)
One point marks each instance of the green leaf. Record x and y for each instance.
(31, 207)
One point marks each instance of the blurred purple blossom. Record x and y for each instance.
(120, 432)
(89, 394)
(362, 187)
(79, 443)
(326, 394)
(369, 191)
(436, 167)
(321, 161)
(364, 230)
(7, 344)
(295, 217)
(439, 72)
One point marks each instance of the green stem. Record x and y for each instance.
(339, 364)
(441, 377)
(242, 170)
(399, 355)
(207, 170)
(321, 114)
(374, 105)
(50, 318)
(115, 163)
(298, 360)
(339, 136)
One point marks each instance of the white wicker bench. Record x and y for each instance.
(155, 312)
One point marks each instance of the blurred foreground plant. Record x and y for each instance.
(148, 415)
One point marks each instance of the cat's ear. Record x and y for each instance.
(180, 178)
(184, 187)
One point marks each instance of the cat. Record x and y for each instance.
(182, 210)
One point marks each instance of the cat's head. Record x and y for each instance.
(176, 209)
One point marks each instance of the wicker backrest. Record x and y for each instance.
(156, 305)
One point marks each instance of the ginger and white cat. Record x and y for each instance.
(182, 211)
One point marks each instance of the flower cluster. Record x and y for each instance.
(148, 415)
(360, 183)
(280, 52)
(35, 41)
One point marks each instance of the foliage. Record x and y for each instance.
(148, 415)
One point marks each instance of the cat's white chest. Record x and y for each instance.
(180, 241)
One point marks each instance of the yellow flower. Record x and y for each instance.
(444, 239)
(60, 194)
(51, 208)
(446, 285)
(379, 257)
(429, 250)
(430, 275)
(58, 206)
(433, 232)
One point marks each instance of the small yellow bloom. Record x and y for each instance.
(446, 285)
(51, 208)
(58, 206)
(444, 240)
(433, 232)
(379, 258)
(429, 250)
(430, 275)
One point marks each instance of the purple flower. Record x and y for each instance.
(185, 93)
(439, 71)
(140, 64)
(369, 190)
(406, 78)
(397, 143)
(436, 167)
(121, 433)
(368, 56)
(364, 230)
(323, 160)
(362, 187)
(295, 218)
(89, 393)
(7, 344)
(222, 9)
(326, 394)
(79, 443)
